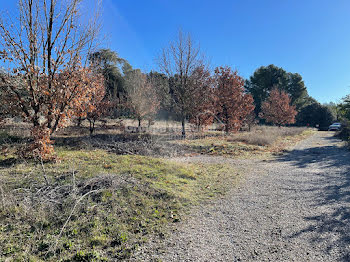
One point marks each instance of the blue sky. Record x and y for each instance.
(310, 37)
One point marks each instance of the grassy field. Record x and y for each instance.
(92, 205)
(98, 204)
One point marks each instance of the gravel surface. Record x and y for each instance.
(294, 207)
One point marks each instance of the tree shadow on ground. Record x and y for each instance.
(330, 185)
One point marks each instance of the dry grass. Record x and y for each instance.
(260, 141)
(265, 135)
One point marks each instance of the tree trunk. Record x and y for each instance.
(167, 123)
(80, 119)
(139, 125)
(139, 122)
(183, 127)
(55, 125)
(92, 126)
(35, 122)
(226, 128)
(49, 125)
(225, 120)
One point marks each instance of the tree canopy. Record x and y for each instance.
(109, 64)
(266, 78)
(314, 115)
(233, 105)
(276, 109)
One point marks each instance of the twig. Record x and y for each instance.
(70, 215)
(74, 184)
(2, 197)
(53, 201)
(44, 171)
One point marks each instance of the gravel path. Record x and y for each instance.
(295, 207)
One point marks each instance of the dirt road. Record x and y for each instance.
(295, 207)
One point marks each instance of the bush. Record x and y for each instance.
(344, 133)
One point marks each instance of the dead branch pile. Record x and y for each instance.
(146, 146)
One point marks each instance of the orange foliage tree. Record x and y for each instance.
(202, 106)
(277, 109)
(100, 107)
(94, 104)
(46, 80)
(233, 104)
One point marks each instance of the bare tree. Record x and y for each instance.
(142, 98)
(179, 61)
(44, 51)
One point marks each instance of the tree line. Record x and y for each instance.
(187, 90)
(52, 72)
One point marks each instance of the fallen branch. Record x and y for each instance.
(69, 217)
(2, 197)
